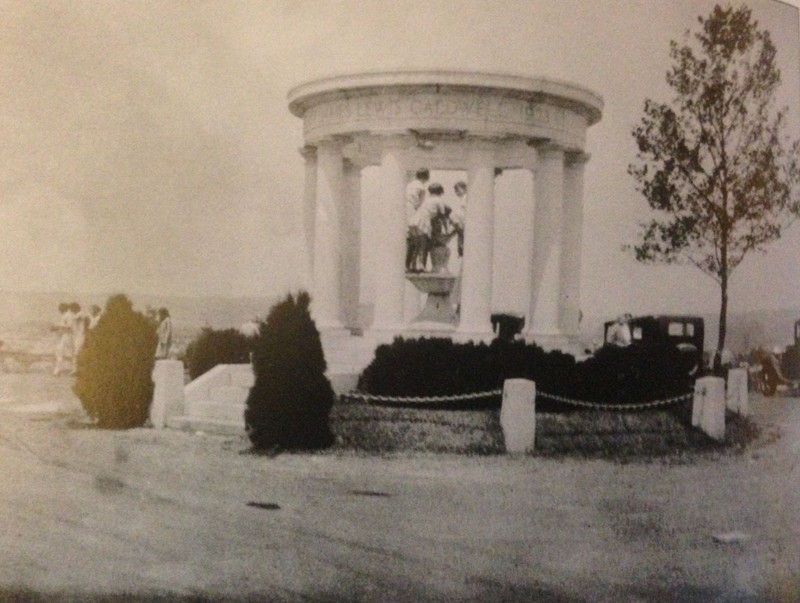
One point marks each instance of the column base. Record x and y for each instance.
(554, 340)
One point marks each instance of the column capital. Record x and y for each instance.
(576, 158)
(308, 152)
(335, 141)
(549, 149)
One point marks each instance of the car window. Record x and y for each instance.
(637, 332)
(690, 329)
(675, 329)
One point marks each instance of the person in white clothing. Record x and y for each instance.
(94, 316)
(63, 328)
(415, 195)
(619, 333)
(80, 324)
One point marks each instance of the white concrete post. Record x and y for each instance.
(476, 282)
(569, 300)
(546, 252)
(518, 415)
(736, 396)
(327, 237)
(390, 251)
(708, 410)
(168, 400)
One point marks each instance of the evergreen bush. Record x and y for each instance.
(115, 365)
(213, 347)
(290, 403)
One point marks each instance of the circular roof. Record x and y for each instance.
(579, 99)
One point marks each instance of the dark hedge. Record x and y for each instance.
(115, 365)
(289, 405)
(213, 347)
(438, 367)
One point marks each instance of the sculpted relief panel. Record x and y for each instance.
(477, 113)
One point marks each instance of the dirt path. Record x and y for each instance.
(147, 514)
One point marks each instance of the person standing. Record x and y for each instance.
(64, 329)
(619, 333)
(415, 195)
(94, 316)
(164, 332)
(80, 324)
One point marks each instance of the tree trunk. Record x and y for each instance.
(723, 313)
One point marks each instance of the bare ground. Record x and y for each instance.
(162, 515)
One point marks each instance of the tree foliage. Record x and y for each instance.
(715, 163)
(114, 373)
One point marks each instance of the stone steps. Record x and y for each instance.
(215, 401)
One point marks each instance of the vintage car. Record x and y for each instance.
(779, 369)
(685, 332)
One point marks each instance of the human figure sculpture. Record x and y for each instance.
(432, 222)
(415, 196)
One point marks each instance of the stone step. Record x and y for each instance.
(214, 426)
(228, 394)
(215, 410)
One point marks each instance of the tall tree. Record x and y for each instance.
(715, 164)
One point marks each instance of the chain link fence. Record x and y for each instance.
(426, 400)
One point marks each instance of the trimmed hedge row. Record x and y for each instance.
(212, 347)
(437, 367)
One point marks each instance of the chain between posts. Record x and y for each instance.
(498, 392)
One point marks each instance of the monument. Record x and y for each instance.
(480, 123)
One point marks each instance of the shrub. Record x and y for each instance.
(115, 365)
(289, 405)
(439, 367)
(211, 347)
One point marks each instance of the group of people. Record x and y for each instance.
(72, 325)
(74, 322)
(431, 221)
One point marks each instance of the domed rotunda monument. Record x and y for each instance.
(478, 123)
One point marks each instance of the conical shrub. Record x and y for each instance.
(289, 405)
(115, 365)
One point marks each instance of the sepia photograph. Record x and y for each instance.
(421, 300)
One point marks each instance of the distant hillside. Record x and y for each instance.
(187, 312)
(766, 328)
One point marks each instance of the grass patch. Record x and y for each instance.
(664, 432)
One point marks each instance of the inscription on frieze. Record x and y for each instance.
(401, 109)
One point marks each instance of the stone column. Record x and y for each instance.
(476, 285)
(390, 252)
(542, 323)
(328, 237)
(351, 245)
(569, 297)
(309, 154)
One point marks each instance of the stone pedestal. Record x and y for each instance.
(438, 306)
(168, 399)
(518, 415)
(736, 396)
(708, 411)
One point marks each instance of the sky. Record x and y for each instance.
(147, 147)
